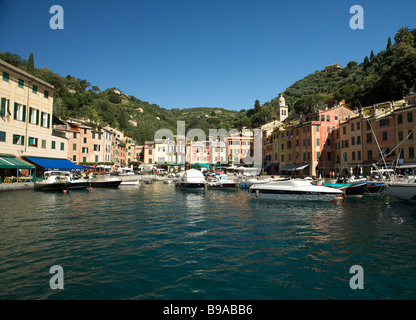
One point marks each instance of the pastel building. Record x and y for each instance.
(26, 114)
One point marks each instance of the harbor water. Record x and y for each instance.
(157, 242)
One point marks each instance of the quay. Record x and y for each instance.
(16, 186)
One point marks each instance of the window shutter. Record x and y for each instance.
(37, 117)
(24, 114)
(15, 111)
(3, 107)
(49, 120)
(30, 114)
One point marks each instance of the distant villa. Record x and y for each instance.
(333, 68)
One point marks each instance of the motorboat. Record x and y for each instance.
(375, 187)
(351, 188)
(127, 183)
(61, 180)
(402, 190)
(223, 182)
(105, 182)
(302, 190)
(191, 179)
(247, 182)
(53, 182)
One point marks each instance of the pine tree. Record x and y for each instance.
(366, 62)
(31, 63)
(388, 44)
(372, 56)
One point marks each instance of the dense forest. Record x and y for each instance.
(388, 75)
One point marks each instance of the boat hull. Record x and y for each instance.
(406, 192)
(293, 195)
(293, 191)
(375, 187)
(58, 186)
(355, 189)
(105, 184)
(189, 185)
(79, 185)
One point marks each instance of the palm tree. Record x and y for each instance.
(401, 34)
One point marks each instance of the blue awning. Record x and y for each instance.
(55, 164)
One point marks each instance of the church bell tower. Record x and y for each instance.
(282, 109)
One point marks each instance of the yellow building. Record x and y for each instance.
(130, 149)
(26, 116)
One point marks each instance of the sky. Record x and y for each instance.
(198, 53)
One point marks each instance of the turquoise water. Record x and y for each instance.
(155, 242)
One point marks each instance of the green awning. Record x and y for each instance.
(14, 163)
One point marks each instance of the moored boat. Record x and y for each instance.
(191, 179)
(223, 182)
(105, 182)
(298, 190)
(353, 188)
(375, 187)
(126, 183)
(402, 191)
(53, 181)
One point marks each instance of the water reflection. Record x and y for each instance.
(159, 242)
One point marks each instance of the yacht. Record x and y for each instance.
(402, 190)
(298, 190)
(191, 179)
(105, 182)
(223, 182)
(61, 180)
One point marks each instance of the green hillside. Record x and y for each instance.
(388, 75)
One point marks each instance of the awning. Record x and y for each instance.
(293, 167)
(14, 163)
(301, 167)
(55, 164)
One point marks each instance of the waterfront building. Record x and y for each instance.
(405, 132)
(149, 153)
(26, 115)
(307, 146)
(240, 147)
(130, 150)
(351, 146)
(218, 151)
(108, 137)
(378, 135)
(161, 151)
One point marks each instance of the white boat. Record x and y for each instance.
(105, 182)
(191, 179)
(298, 190)
(127, 183)
(61, 180)
(402, 190)
(223, 182)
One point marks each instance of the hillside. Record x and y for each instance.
(388, 75)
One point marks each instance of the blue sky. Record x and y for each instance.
(198, 53)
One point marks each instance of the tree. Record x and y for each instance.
(401, 34)
(366, 62)
(31, 63)
(388, 47)
(372, 56)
